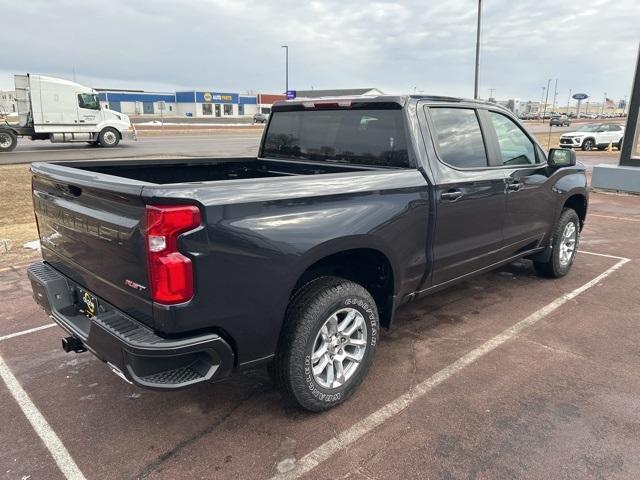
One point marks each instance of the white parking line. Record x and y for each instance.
(614, 217)
(25, 332)
(50, 439)
(377, 418)
(605, 255)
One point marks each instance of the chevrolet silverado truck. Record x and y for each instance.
(178, 272)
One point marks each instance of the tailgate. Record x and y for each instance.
(90, 228)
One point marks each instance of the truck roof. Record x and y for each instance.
(59, 81)
(387, 100)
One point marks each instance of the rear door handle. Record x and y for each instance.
(451, 195)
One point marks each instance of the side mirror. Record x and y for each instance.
(561, 157)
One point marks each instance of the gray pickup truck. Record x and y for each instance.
(177, 272)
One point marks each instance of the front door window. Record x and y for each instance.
(515, 147)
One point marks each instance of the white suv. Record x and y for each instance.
(593, 135)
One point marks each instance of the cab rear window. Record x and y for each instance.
(359, 136)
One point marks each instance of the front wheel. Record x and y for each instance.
(327, 343)
(8, 141)
(564, 246)
(109, 137)
(588, 145)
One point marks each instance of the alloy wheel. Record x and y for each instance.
(339, 348)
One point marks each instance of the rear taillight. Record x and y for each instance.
(170, 272)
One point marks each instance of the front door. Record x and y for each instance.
(147, 108)
(218, 112)
(531, 204)
(470, 196)
(88, 111)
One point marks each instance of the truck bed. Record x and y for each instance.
(163, 172)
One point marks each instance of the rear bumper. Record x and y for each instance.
(131, 349)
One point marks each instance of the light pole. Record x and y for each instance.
(477, 75)
(541, 100)
(286, 49)
(555, 96)
(546, 100)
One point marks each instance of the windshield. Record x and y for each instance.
(591, 127)
(365, 137)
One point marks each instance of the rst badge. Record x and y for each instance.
(134, 285)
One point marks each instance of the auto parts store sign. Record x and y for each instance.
(214, 97)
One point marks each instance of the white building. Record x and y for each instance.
(138, 102)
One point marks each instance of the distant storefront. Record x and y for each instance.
(133, 102)
(190, 103)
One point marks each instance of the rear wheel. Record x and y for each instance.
(109, 137)
(327, 343)
(564, 245)
(8, 141)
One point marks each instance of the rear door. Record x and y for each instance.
(469, 195)
(91, 230)
(530, 201)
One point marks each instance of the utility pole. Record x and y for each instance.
(491, 90)
(286, 49)
(568, 101)
(541, 100)
(555, 96)
(546, 100)
(477, 75)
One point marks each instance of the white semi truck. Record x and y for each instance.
(62, 111)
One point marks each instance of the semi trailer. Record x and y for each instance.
(59, 110)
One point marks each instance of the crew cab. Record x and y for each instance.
(178, 272)
(594, 136)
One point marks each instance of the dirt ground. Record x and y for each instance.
(17, 225)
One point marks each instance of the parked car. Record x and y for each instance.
(594, 135)
(260, 118)
(178, 272)
(559, 121)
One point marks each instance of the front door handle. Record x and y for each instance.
(451, 195)
(514, 186)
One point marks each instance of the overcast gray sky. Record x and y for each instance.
(234, 45)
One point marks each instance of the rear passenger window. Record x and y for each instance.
(458, 137)
(515, 147)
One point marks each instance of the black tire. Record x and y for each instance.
(588, 145)
(109, 138)
(555, 267)
(8, 141)
(309, 311)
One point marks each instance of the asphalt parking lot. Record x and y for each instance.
(151, 144)
(504, 376)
